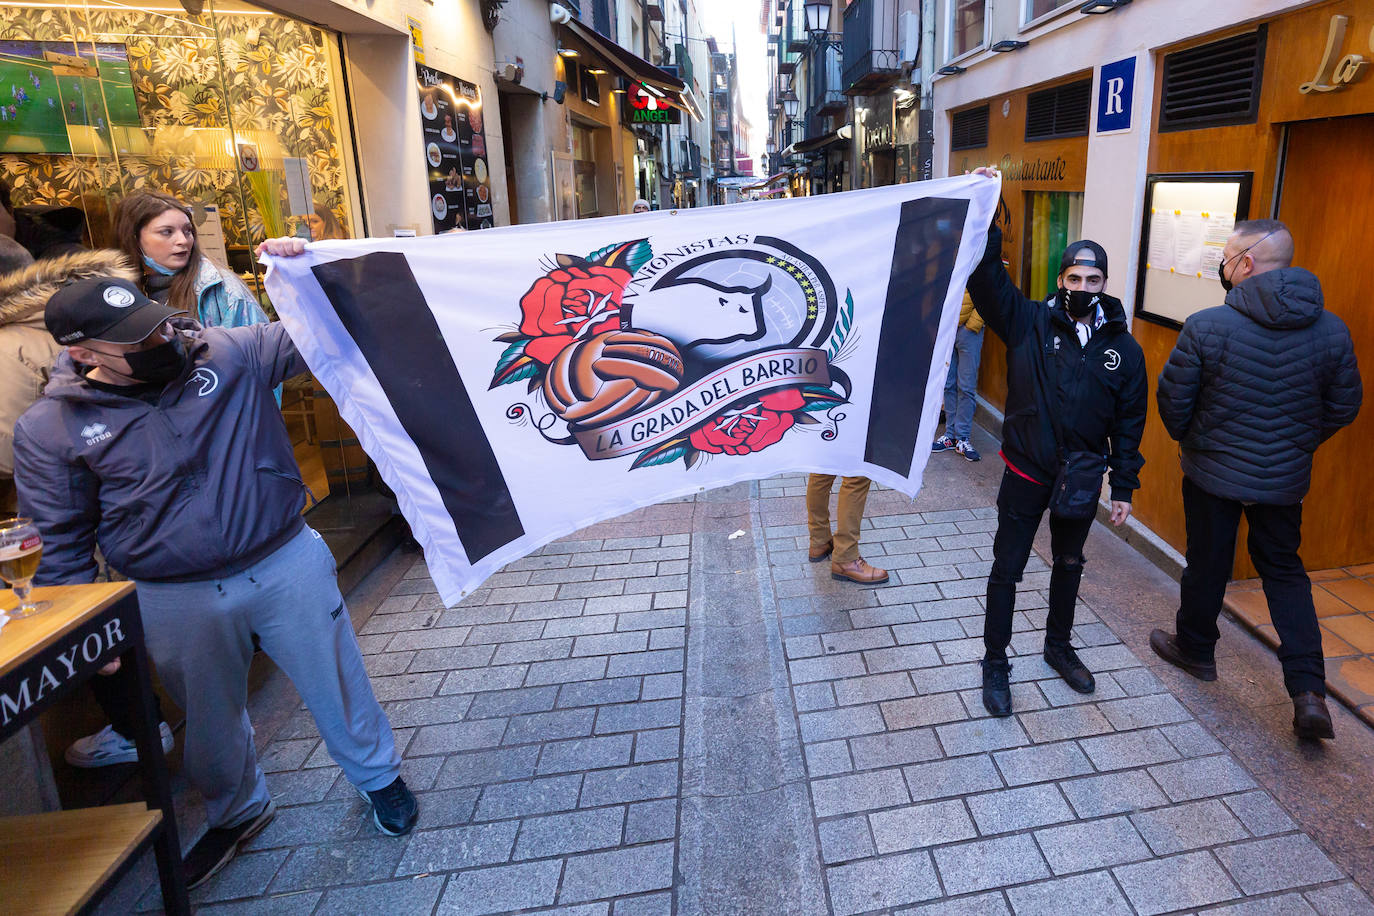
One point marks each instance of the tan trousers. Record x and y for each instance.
(853, 496)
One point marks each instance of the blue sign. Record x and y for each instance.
(1115, 93)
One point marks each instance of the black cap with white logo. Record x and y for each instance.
(104, 308)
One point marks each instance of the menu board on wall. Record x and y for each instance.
(455, 141)
(903, 163)
(1187, 220)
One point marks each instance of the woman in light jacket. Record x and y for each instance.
(156, 232)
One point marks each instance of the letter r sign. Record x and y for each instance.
(1115, 96)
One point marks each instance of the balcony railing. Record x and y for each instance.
(825, 93)
(794, 28)
(871, 61)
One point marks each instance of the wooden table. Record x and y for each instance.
(65, 861)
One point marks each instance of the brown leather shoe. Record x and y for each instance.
(858, 571)
(816, 554)
(1311, 718)
(1166, 646)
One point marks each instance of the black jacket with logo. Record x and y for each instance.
(1100, 394)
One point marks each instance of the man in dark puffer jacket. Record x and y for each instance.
(1250, 391)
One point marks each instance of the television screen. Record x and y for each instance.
(40, 99)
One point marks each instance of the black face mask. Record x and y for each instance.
(157, 365)
(1079, 302)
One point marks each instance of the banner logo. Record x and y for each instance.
(719, 346)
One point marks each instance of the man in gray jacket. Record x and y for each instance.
(1250, 391)
(162, 443)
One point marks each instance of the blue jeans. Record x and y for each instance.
(962, 383)
(200, 635)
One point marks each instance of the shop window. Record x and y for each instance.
(1062, 111)
(1214, 84)
(966, 28)
(584, 171)
(969, 129)
(236, 112)
(1053, 219)
(591, 88)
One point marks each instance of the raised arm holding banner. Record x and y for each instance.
(517, 385)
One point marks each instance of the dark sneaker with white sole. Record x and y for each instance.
(394, 808)
(219, 846)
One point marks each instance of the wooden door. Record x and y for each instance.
(1325, 198)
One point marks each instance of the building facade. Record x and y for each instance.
(336, 119)
(1150, 127)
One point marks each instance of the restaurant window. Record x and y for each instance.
(1053, 219)
(969, 129)
(1061, 111)
(236, 112)
(966, 26)
(584, 171)
(1214, 84)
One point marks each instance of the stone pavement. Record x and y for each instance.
(675, 712)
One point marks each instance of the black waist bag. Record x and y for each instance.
(1076, 489)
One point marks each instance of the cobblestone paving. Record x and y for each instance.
(653, 717)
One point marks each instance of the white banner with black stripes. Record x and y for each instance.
(514, 385)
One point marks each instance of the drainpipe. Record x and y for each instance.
(925, 115)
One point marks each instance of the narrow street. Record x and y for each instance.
(656, 717)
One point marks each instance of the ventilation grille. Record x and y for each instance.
(969, 129)
(1215, 84)
(1059, 112)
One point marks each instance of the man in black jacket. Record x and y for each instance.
(1075, 374)
(1250, 391)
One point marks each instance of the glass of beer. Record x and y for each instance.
(21, 548)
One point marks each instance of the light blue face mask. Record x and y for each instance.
(166, 272)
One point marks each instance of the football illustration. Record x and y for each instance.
(611, 375)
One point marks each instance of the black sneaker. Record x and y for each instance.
(1070, 667)
(394, 808)
(220, 844)
(997, 687)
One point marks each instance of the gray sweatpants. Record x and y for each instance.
(200, 638)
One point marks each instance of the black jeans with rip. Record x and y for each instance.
(1275, 535)
(1020, 505)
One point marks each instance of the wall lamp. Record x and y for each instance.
(1098, 7)
(1009, 44)
(567, 52)
(950, 70)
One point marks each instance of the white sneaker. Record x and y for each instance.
(108, 747)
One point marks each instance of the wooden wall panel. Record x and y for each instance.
(1326, 200)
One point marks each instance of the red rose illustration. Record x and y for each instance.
(569, 304)
(740, 431)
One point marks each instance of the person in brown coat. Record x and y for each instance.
(27, 350)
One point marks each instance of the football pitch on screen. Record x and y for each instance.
(38, 106)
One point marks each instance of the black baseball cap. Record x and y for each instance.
(104, 308)
(1084, 253)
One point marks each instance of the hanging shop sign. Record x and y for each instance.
(455, 142)
(649, 105)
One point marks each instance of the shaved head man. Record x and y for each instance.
(1250, 391)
